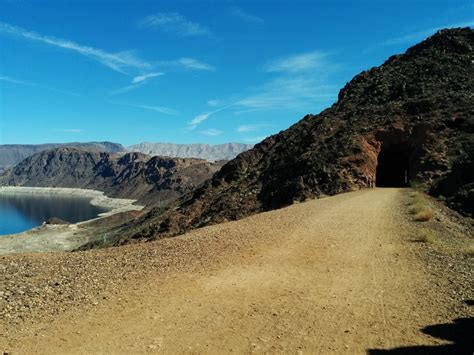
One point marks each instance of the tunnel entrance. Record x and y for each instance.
(392, 168)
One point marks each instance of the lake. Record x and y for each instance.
(20, 212)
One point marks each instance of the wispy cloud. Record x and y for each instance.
(120, 61)
(278, 94)
(296, 63)
(142, 78)
(72, 130)
(212, 132)
(174, 22)
(301, 84)
(15, 81)
(197, 120)
(213, 103)
(190, 63)
(160, 109)
(187, 63)
(289, 93)
(137, 81)
(419, 35)
(251, 127)
(237, 12)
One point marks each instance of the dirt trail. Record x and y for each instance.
(335, 275)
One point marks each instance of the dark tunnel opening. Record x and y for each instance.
(392, 169)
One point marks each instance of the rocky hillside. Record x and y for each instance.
(12, 154)
(151, 180)
(208, 152)
(411, 120)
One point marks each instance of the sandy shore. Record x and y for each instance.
(61, 237)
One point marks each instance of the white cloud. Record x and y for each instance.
(160, 109)
(120, 61)
(126, 89)
(187, 63)
(419, 35)
(190, 63)
(137, 81)
(11, 80)
(251, 127)
(204, 116)
(212, 132)
(213, 103)
(244, 16)
(73, 130)
(199, 119)
(297, 63)
(174, 22)
(288, 93)
(142, 78)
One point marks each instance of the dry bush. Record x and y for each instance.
(470, 251)
(416, 208)
(423, 215)
(427, 236)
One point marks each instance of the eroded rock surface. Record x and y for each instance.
(417, 106)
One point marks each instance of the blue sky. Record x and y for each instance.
(192, 71)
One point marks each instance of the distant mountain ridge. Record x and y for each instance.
(12, 154)
(151, 180)
(208, 152)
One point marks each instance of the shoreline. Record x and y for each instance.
(98, 198)
(46, 238)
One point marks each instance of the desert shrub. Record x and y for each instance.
(417, 185)
(427, 236)
(424, 215)
(416, 208)
(470, 251)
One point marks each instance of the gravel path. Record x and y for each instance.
(336, 275)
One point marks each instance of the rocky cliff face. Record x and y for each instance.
(409, 120)
(152, 180)
(208, 152)
(12, 154)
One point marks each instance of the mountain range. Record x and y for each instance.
(150, 180)
(12, 154)
(209, 152)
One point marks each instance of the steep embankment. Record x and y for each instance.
(340, 275)
(208, 152)
(12, 154)
(411, 117)
(151, 180)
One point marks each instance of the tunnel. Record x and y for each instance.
(392, 168)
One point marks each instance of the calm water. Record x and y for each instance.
(22, 212)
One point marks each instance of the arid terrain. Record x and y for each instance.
(345, 274)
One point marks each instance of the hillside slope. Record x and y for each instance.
(409, 120)
(208, 152)
(12, 154)
(151, 180)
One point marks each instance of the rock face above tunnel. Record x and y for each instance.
(416, 107)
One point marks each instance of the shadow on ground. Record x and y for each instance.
(460, 332)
